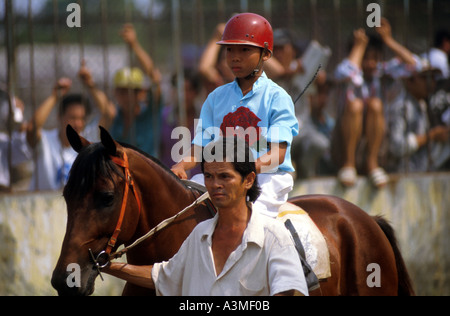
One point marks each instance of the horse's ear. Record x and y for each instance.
(108, 141)
(76, 141)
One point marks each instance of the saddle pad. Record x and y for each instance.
(313, 242)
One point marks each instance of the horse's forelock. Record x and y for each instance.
(91, 163)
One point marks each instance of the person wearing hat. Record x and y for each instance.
(134, 119)
(252, 107)
(414, 145)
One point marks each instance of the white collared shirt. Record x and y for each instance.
(265, 263)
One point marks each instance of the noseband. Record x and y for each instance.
(103, 257)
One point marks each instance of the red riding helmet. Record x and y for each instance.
(248, 29)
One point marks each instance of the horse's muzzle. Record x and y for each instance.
(68, 283)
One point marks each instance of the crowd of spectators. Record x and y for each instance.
(368, 116)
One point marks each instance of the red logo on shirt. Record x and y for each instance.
(243, 124)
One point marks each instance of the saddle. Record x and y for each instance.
(310, 239)
(194, 186)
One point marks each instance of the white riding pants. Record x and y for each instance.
(275, 188)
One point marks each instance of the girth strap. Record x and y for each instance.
(311, 279)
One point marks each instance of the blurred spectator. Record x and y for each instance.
(414, 145)
(17, 143)
(438, 54)
(311, 148)
(286, 62)
(213, 66)
(361, 108)
(55, 156)
(439, 110)
(170, 116)
(294, 64)
(135, 119)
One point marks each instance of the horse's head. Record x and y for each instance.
(93, 194)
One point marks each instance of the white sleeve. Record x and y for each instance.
(168, 275)
(286, 271)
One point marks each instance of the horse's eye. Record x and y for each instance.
(104, 199)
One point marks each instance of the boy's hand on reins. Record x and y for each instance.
(187, 163)
(179, 171)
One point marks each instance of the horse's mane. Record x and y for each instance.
(93, 162)
(154, 159)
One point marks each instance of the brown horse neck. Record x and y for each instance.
(160, 191)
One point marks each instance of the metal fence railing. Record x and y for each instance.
(38, 45)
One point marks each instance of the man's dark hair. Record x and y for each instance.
(375, 43)
(190, 76)
(76, 99)
(440, 37)
(237, 152)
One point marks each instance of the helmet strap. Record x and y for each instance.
(260, 63)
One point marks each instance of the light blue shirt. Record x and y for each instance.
(268, 108)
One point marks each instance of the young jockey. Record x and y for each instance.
(253, 107)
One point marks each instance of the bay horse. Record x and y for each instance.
(94, 195)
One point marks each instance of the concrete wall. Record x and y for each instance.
(32, 228)
(418, 207)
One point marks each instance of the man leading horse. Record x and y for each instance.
(227, 254)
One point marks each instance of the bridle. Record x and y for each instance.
(102, 259)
